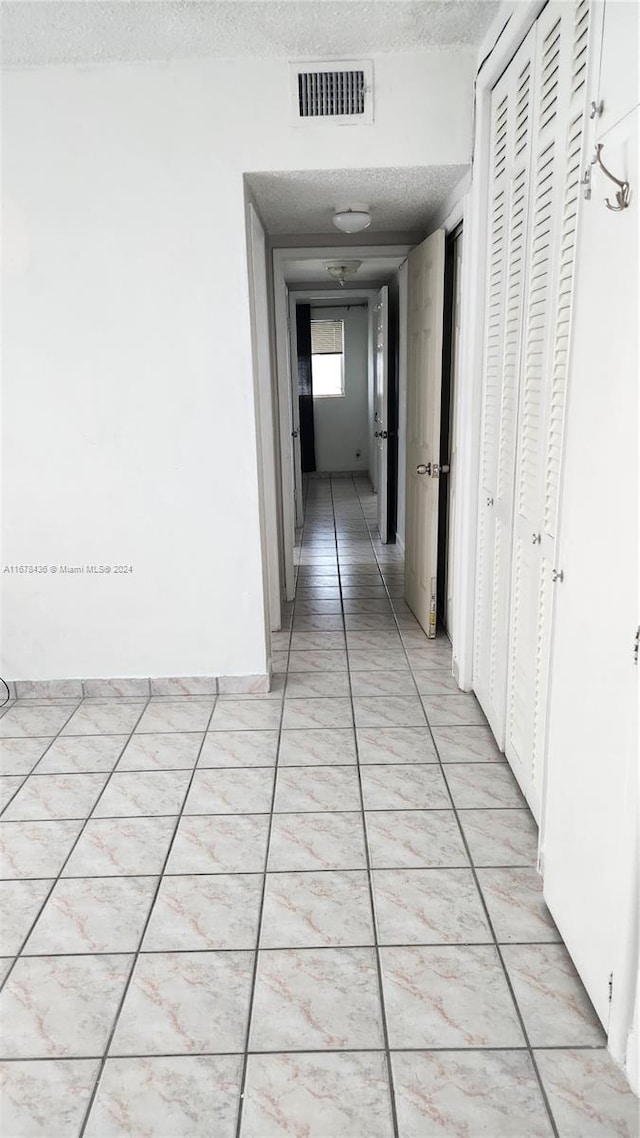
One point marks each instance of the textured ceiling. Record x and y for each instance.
(403, 199)
(91, 31)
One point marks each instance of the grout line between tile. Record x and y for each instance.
(381, 994)
(56, 877)
(143, 932)
(252, 991)
(491, 926)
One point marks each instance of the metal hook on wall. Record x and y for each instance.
(623, 193)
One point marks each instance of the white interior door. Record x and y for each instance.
(556, 159)
(298, 492)
(507, 228)
(589, 838)
(453, 429)
(424, 391)
(381, 414)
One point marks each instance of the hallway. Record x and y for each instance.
(409, 982)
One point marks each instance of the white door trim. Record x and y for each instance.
(257, 257)
(283, 367)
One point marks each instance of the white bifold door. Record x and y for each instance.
(381, 415)
(537, 127)
(425, 289)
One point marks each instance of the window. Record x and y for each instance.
(327, 358)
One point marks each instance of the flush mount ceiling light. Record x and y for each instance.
(352, 218)
(342, 270)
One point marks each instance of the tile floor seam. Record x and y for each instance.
(594, 1048)
(47, 748)
(492, 929)
(252, 991)
(137, 953)
(57, 877)
(381, 991)
(483, 902)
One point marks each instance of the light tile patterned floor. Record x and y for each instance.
(409, 981)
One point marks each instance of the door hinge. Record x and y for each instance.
(585, 182)
(636, 646)
(610, 986)
(557, 575)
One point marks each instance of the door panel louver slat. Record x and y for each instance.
(537, 126)
(555, 178)
(511, 121)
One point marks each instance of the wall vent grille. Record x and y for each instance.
(324, 93)
(341, 93)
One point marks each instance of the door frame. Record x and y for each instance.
(287, 481)
(449, 424)
(383, 465)
(280, 257)
(296, 446)
(257, 257)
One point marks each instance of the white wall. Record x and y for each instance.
(341, 424)
(130, 432)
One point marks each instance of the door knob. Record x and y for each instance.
(423, 468)
(384, 434)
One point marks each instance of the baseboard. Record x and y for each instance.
(138, 687)
(338, 474)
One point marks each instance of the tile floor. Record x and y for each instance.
(408, 982)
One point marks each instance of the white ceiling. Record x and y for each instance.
(91, 31)
(400, 199)
(312, 270)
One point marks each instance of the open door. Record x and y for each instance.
(295, 416)
(424, 385)
(381, 416)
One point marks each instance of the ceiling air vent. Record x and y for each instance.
(332, 92)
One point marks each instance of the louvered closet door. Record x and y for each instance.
(511, 108)
(558, 112)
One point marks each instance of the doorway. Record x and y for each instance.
(332, 368)
(448, 432)
(298, 279)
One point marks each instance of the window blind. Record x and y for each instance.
(327, 337)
